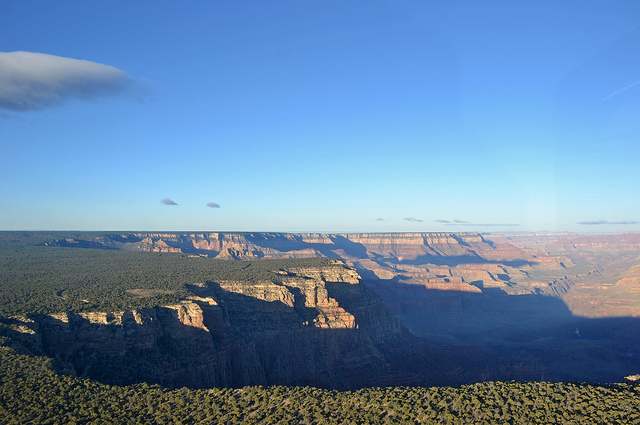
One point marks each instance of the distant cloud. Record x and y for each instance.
(490, 224)
(599, 222)
(213, 205)
(30, 81)
(455, 221)
(417, 220)
(466, 223)
(167, 201)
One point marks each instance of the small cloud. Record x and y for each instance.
(492, 224)
(466, 223)
(167, 201)
(30, 81)
(213, 205)
(417, 220)
(600, 222)
(379, 219)
(452, 222)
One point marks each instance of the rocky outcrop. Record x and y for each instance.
(402, 246)
(517, 295)
(309, 326)
(452, 261)
(607, 298)
(114, 334)
(529, 239)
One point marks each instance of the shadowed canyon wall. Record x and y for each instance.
(317, 326)
(553, 306)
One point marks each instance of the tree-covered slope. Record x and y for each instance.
(32, 392)
(45, 279)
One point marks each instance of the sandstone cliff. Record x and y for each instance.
(308, 326)
(402, 246)
(522, 296)
(452, 261)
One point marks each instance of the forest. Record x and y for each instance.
(38, 279)
(32, 392)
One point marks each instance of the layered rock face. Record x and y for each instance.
(245, 246)
(453, 261)
(310, 326)
(537, 301)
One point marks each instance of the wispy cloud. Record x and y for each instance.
(485, 224)
(213, 205)
(621, 90)
(458, 222)
(600, 222)
(417, 220)
(452, 222)
(167, 201)
(31, 81)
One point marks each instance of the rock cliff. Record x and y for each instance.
(243, 246)
(453, 261)
(530, 299)
(308, 326)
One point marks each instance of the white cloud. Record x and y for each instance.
(31, 81)
(599, 222)
(484, 224)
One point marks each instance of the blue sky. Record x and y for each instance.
(320, 116)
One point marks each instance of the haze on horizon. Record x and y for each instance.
(327, 117)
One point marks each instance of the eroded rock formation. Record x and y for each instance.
(537, 302)
(313, 326)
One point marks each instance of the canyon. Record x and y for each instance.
(394, 309)
(317, 326)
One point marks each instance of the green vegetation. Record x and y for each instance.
(45, 279)
(32, 392)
